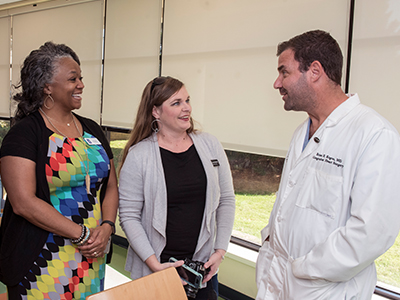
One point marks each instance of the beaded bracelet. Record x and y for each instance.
(86, 238)
(83, 242)
(83, 233)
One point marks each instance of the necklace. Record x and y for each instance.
(87, 177)
(47, 117)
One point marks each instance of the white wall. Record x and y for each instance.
(223, 50)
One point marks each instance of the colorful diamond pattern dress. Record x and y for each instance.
(60, 271)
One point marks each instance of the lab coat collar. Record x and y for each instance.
(342, 110)
(334, 118)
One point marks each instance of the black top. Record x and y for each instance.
(20, 240)
(186, 183)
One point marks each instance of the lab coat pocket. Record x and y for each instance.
(320, 192)
(264, 258)
(310, 289)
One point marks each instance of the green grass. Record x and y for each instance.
(117, 147)
(118, 260)
(388, 265)
(252, 214)
(3, 288)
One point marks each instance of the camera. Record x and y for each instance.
(193, 273)
(197, 266)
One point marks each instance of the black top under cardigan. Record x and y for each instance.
(186, 184)
(20, 240)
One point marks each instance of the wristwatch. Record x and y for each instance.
(112, 224)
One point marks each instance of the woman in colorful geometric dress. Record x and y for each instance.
(62, 198)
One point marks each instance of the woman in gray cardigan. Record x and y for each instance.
(175, 187)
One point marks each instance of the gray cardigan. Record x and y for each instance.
(143, 202)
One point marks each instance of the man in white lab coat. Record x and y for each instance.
(338, 205)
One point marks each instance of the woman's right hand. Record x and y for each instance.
(155, 266)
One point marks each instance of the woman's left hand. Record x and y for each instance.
(97, 243)
(213, 262)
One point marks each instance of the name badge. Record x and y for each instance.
(92, 141)
(215, 162)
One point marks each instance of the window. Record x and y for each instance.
(4, 127)
(117, 142)
(256, 180)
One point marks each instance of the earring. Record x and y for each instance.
(155, 127)
(52, 100)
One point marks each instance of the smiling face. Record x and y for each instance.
(292, 84)
(174, 113)
(67, 86)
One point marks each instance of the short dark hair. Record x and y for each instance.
(316, 45)
(38, 70)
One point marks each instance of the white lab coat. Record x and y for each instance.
(336, 211)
